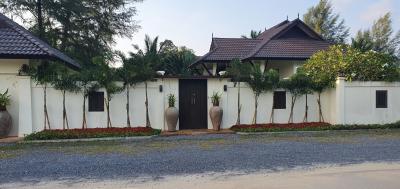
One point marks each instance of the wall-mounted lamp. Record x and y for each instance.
(160, 73)
(160, 88)
(225, 88)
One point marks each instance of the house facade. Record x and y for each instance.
(283, 47)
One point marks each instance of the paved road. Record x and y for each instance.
(164, 156)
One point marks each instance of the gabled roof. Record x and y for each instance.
(286, 40)
(17, 42)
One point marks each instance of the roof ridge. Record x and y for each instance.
(239, 38)
(262, 44)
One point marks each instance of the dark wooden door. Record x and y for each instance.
(192, 104)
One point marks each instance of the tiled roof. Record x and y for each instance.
(288, 39)
(291, 48)
(17, 42)
(231, 48)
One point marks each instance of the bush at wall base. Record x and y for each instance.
(93, 133)
(311, 126)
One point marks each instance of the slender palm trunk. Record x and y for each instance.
(255, 109)
(239, 107)
(291, 109)
(321, 116)
(128, 120)
(84, 124)
(107, 100)
(306, 110)
(147, 107)
(271, 117)
(46, 115)
(65, 118)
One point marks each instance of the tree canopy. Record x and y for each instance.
(253, 34)
(328, 24)
(324, 66)
(380, 37)
(82, 29)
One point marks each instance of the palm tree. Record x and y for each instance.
(106, 77)
(66, 81)
(43, 74)
(297, 85)
(148, 60)
(177, 62)
(238, 71)
(271, 83)
(253, 34)
(129, 75)
(256, 82)
(86, 83)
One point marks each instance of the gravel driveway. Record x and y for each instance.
(177, 155)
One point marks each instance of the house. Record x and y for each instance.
(283, 47)
(17, 47)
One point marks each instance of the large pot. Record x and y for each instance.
(5, 122)
(216, 117)
(171, 116)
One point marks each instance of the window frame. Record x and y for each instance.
(279, 106)
(94, 104)
(381, 103)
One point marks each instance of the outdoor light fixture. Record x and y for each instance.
(160, 73)
(225, 88)
(221, 73)
(160, 88)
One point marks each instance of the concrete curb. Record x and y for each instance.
(91, 139)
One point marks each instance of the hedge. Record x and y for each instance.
(310, 127)
(92, 133)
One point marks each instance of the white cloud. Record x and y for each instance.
(377, 10)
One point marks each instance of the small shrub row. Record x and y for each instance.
(313, 126)
(92, 133)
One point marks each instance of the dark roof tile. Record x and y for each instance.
(17, 42)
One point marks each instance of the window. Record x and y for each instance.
(96, 101)
(280, 100)
(381, 99)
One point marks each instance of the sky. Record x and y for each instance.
(191, 23)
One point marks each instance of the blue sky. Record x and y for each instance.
(191, 22)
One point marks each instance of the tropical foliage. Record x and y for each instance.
(5, 100)
(106, 78)
(380, 38)
(298, 85)
(65, 82)
(82, 29)
(253, 34)
(238, 71)
(328, 24)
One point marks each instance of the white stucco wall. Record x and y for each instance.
(9, 80)
(360, 105)
(349, 103)
(158, 102)
(286, 67)
(229, 105)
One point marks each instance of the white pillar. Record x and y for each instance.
(262, 66)
(214, 69)
(25, 106)
(340, 101)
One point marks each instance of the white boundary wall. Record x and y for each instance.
(348, 103)
(358, 105)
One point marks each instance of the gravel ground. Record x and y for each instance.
(162, 156)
